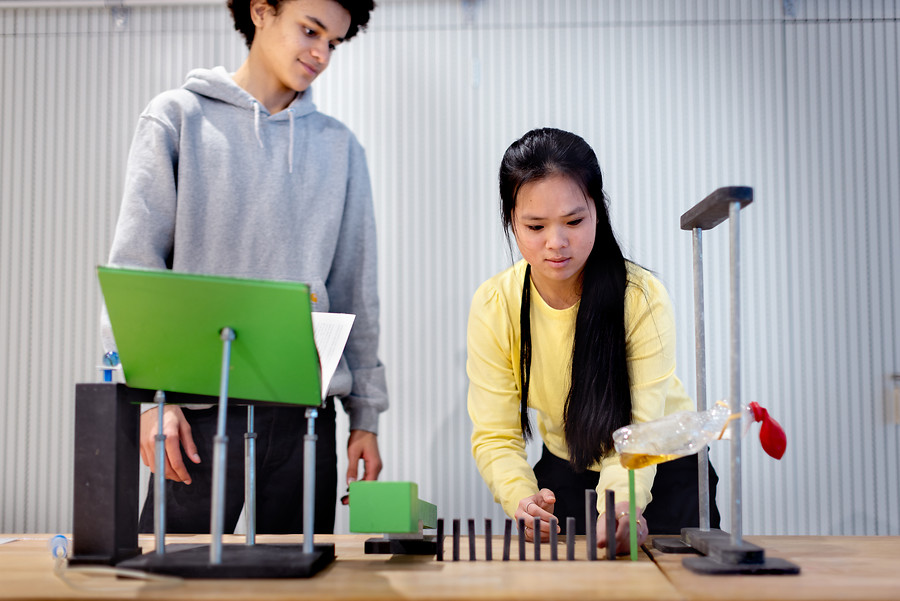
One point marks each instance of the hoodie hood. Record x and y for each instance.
(218, 84)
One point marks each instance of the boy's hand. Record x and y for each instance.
(623, 521)
(363, 445)
(178, 434)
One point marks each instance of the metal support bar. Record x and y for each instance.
(159, 482)
(735, 379)
(250, 477)
(309, 479)
(220, 442)
(700, 349)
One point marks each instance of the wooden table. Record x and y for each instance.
(26, 572)
(831, 568)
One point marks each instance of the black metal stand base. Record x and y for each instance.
(671, 544)
(238, 561)
(721, 556)
(402, 546)
(769, 566)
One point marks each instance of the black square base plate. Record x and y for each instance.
(402, 546)
(238, 561)
(769, 566)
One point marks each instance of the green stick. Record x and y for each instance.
(632, 516)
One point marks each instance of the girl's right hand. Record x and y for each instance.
(539, 505)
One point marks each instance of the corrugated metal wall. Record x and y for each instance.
(677, 97)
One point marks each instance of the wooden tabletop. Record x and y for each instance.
(831, 568)
(26, 572)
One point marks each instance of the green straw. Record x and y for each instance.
(632, 516)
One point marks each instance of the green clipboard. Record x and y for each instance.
(167, 329)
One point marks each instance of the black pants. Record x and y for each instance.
(279, 473)
(675, 503)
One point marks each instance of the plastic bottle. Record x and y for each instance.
(686, 432)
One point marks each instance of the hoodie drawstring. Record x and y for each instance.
(290, 139)
(256, 122)
(291, 143)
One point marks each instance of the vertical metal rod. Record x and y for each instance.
(488, 540)
(471, 525)
(456, 535)
(521, 525)
(309, 480)
(440, 540)
(554, 541)
(250, 477)
(159, 482)
(610, 524)
(735, 386)
(590, 523)
(570, 538)
(220, 442)
(700, 350)
(537, 538)
(507, 535)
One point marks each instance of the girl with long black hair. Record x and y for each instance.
(583, 337)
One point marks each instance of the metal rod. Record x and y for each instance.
(220, 442)
(610, 524)
(554, 541)
(700, 350)
(507, 535)
(159, 482)
(471, 525)
(488, 540)
(309, 479)
(250, 477)
(590, 523)
(735, 379)
(570, 538)
(521, 526)
(537, 538)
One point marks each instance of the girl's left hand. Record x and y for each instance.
(623, 520)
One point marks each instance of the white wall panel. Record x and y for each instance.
(678, 98)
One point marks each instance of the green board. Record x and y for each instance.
(167, 329)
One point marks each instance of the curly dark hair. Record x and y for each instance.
(359, 15)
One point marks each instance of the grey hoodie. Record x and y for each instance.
(217, 185)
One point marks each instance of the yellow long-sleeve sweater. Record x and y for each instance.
(492, 365)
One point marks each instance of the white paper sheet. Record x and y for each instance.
(330, 332)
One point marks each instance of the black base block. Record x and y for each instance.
(769, 566)
(238, 561)
(402, 546)
(671, 544)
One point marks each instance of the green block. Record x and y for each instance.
(391, 507)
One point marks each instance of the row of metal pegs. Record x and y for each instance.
(590, 538)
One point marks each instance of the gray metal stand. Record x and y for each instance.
(250, 477)
(309, 479)
(159, 489)
(724, 553)
(106, 493)
(220, 454)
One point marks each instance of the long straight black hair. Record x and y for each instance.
(599, 398)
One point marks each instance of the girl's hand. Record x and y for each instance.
(539, 505)
(623, 539)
